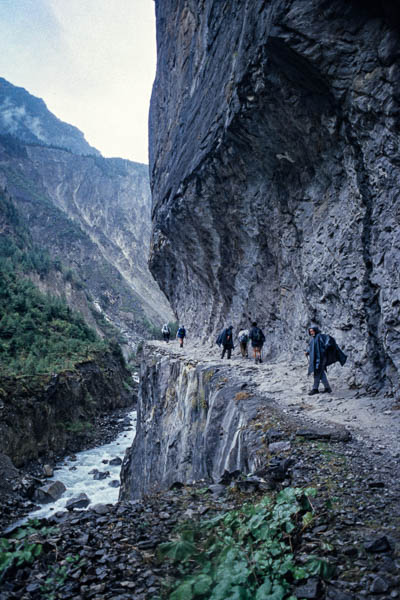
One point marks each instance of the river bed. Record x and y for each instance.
(74, 473)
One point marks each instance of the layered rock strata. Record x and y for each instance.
(274, 160)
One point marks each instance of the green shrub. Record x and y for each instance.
(245, 553)
(18, 549)
(173, 327)
(39, 333)
(78, 426)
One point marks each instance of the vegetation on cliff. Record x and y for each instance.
(38, 333)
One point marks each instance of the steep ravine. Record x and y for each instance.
(93, 216)
(90, 214)
(277, 161)
(45, 417)
(43, 414)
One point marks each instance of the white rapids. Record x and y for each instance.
(74, 473)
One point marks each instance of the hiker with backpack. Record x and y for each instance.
(322, 351)
(180, 335)
(226, 339)
(257, 340)
(166, 332)
(243, 341)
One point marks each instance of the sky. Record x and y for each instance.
(92, 62)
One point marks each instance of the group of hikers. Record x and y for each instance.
(322, 349)
(255, 335)
(180, 334)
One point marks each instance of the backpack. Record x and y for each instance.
(165, 329)
(257, 335)
(181, 332)
(219, 338)
(243, 338)
(333, 353)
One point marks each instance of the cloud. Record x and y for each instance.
(15, 117)
(92, 61)
(11, 116)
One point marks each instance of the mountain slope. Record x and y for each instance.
(93, 215)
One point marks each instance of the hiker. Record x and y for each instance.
(316, 354)
(322, 351)
(180, 335)
(257, 340)
(227, 341)
(243, 341)
(166, 332)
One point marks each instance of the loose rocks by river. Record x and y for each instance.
(19, 489)
(356, 529)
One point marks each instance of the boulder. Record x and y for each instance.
(114, 483)
(310, 590)
(80, 501)
(48, 471)
(279, 447)
(50, 492)
(101, 475)
(100, 509)
(381, 544)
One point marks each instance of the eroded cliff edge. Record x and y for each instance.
(192, 424)
(202, 418)
(43, 415)
(274, 160)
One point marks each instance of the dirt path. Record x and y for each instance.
(373, 419)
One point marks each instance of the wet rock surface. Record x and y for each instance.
(50, 492)
(80, 501)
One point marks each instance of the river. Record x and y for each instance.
(74, 473)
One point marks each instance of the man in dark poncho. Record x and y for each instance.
(317, 359)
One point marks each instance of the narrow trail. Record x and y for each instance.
(373, 419)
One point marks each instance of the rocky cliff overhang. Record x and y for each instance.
(275, 170)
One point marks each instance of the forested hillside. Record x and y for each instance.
(39, 333)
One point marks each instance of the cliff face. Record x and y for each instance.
(275, 172)
(193, 423)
